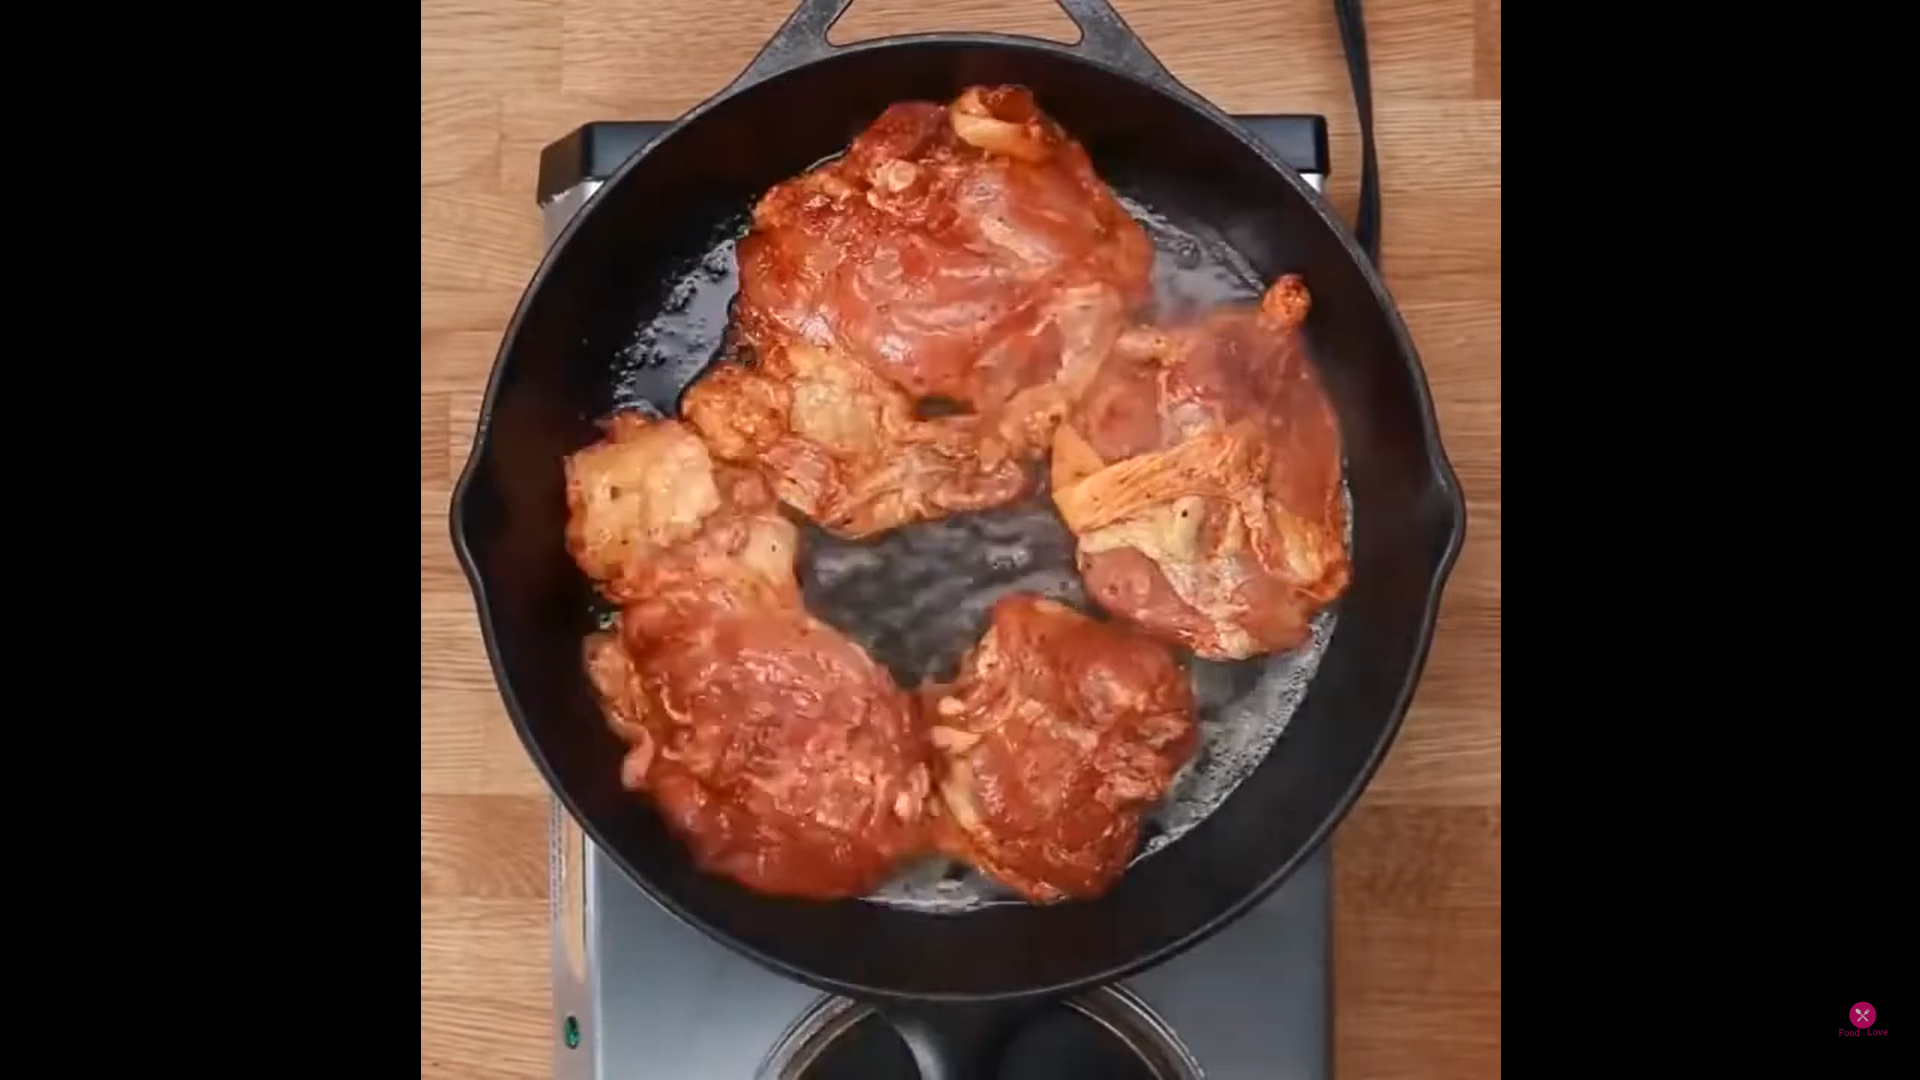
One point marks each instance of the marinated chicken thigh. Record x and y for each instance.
(784, 756)
(1201, 474)
(841, 445)
(1059, 732)
(963, 254)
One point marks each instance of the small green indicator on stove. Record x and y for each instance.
(571, 1032)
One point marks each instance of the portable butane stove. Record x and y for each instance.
(638, 995)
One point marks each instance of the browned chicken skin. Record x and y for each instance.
(782, 754)
(965, 252)
(1058, 734)
(841, 445)
(1201, 474)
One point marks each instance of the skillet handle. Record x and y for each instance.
(961, 1041)
(799, 41)
(1105, 37)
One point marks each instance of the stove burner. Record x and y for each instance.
(1107, 1034)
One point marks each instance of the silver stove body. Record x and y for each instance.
(646, 997)
(639, 995)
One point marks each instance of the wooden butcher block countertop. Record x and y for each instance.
(1417, 893)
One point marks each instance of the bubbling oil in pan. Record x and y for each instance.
(917, 598)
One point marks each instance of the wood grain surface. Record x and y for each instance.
(1417, 864)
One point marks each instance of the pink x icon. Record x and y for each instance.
(1862, 1015)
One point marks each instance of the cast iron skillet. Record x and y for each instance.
(952, 983)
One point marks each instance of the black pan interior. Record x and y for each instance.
(567, 353)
